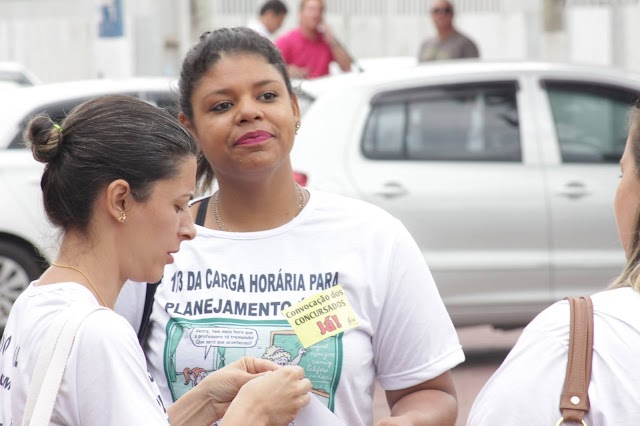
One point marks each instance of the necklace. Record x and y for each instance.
(216, 213)
(85, 276)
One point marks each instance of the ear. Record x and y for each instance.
(296, 107)
(187, 123)
(119, 198)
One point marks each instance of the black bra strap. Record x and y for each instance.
(202, 211)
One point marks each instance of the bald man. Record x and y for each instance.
(449, 43)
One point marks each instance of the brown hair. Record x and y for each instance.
(102, 140)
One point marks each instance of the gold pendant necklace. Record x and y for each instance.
(85, 276)
(216, 213)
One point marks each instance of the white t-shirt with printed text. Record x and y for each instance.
(223, 298)
(106, 381)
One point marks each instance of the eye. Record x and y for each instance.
(222, 106)
(268, 96)
(181, 207)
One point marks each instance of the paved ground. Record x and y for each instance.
(485, 348)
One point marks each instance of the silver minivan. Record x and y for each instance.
(504, 173)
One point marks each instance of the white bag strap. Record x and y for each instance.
(51, 364)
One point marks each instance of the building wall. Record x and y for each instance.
(59, 39)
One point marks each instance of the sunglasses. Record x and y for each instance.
(442, 10)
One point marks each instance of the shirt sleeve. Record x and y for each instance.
(282, 44)
(112, 381)
(415, 319)
(470, 50)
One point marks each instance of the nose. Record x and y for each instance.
(188, 228)
(249, 110)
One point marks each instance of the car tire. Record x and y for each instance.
(18, 267)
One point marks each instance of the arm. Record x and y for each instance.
(424, 393)
(430, 403)
(340, 54)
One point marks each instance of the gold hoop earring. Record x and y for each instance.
(123, 216)
(297, 127)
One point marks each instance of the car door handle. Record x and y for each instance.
(392, 190)
(574, 190)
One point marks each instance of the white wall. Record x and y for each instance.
(58, 40)
(54, 38)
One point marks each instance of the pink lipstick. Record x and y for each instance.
(253, 138)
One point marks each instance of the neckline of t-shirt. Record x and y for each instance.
(76, 287)
(309, 207)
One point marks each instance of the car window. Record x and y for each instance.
(470, 122)
(57, 112)
(305, 100)
(15, 77)
(165, 100)
(590, 120)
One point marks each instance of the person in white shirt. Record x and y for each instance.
(272, 14)
(264, 243)
(118, 179)
(526, 389)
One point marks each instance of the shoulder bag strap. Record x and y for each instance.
(574, 400)
(146, 311)
(202, 211)
(51, 364)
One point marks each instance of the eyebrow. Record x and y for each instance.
(258, 84)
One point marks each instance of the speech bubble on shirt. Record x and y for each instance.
(226, 337)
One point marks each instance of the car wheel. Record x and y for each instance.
(18, 267)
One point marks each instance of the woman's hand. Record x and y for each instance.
(223, 385)
(273, 399)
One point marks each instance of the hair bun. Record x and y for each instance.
(44, 138)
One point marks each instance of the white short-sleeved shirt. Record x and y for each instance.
(526, 389)
(106, 381)
(223, 298)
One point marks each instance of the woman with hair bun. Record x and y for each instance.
(119, 176)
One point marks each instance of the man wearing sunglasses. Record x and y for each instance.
(448, 43)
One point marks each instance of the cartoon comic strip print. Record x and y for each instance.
(195, 348)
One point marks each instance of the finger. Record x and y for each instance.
(306, 385)
(304, 400)
(294, 370)
(259, 365)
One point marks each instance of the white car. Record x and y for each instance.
(13, 74)
(504, 173)
(27, 241)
